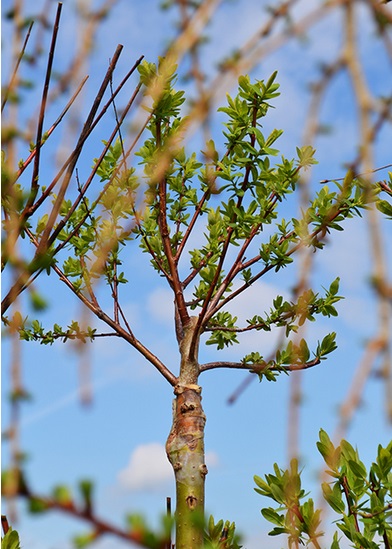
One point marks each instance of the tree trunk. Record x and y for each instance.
(185, 450)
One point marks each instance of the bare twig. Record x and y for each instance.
(83, 136)
(4, 524)
(38, 140)
(51, 129)
(353, 399)
(8, 89)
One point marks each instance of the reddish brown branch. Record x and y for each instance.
(50, 130)
(47, 239)
(174, 279)
(78, 149)
(87, 184)
(207, 301)
(98, 525)
(38, 139)
(197, 213)
(129, 337)
(4, 524)
(120, 331)
(351, 511)
(50, 187)
(318, 233)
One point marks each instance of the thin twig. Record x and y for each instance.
(259, 368)
(104, 109)
(174, 279)
(38, 139)
(209, 303)
(99, 526)
(15, 72)
(51, 129)
(4, 524)
(78, 149)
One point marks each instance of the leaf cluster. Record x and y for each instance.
(284, 314)
(221, 535)
(297, 519)
(251, 187)
(385, 206)
(96, 232)
(362, 498)
(11, 540)
(34, 331)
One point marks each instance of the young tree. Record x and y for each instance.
(236, 197)
(181, 194)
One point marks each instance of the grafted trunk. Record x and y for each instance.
(185, 450)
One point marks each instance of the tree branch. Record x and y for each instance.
(174, 279)
(35, 175)
(78, 149)
(129, 337)
(245, 185)
(321, 230)
(126, 335)
(15, 72)
(51, 129)
(23, 278)
(99, 526)
(258, 368)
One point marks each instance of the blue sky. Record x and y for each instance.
(113, 439)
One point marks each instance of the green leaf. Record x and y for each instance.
(335, 542)
(86, 490)
(62, 495)
(38, 302)
(306, 156)
(327, 345)
(272, 516)
(277, 531)
(328, 450)
(37, 505)
(334, 287)
(10, 540)
(348, 452)
(384, 207)
(358, 468)
(333, 497)
(42, 222)
(84, 540)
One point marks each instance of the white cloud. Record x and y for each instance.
(149, 469)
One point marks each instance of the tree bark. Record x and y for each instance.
(185, 450)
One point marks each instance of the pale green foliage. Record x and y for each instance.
(221, 535)
(229, 199)
(11, 540)
(250, 188)
(384, 206)
(362, 498)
